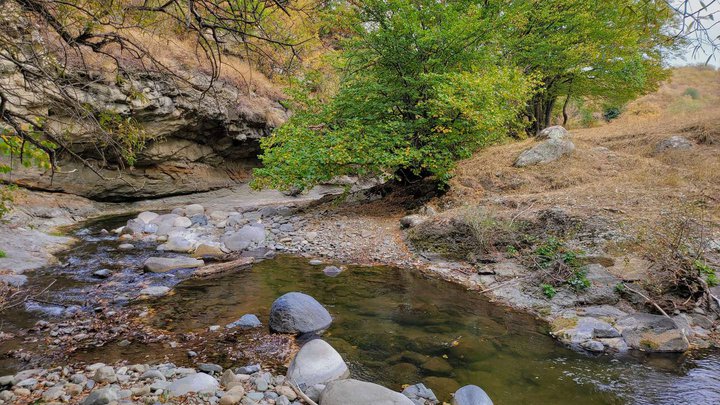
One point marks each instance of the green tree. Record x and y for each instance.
(421, 88)
(607, 51)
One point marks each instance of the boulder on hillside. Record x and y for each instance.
(165, 264)
(296, 312)
(354, 392)
(317, 363)
(675, 142)
(554, 132)
(471, 395)
(545, 152)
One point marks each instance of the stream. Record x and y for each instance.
(392, 326)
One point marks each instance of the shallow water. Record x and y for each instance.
(392, 326)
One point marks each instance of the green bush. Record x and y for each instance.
(611, 113)
(2, 254)
(692, 92)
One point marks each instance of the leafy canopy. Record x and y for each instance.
(421, 88)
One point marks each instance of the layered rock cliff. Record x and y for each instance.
(197, 141)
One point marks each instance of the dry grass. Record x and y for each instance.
(614, 171)
(177, 53)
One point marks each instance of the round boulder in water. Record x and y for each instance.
(317, 363)
(354, 392)
(471, 395)
(296, 312)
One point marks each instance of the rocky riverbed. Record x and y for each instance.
(316, 373)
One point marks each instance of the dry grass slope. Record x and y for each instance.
(615, 170)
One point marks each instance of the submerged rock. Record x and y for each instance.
(165, 264)
(155, 291)
(317, 363)
(247, 321)
(545, 152)
(354, 392)
(420, 393)
(471, 395)
(332, 271)
(296, 312)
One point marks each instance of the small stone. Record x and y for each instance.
(182, 222)
(147, 216)
(332, 271)
(126, 246)
(315, 262)
(261, 384)
(105, 374)
(165, 264)
(199, 382)
(155, 291)
(210, 368)
(194, 209)
(102, 273)
(247, 321)
(7, 396)
(79, 379)
(471, 395)
(252, 369)
(102, 396)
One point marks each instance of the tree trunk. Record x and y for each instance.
(564, 111)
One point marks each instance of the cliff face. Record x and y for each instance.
(197, 140)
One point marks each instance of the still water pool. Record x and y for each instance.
(397, 327)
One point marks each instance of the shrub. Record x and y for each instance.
(611, 113)
(692, 92)
(682, 271)
(2, 254)
(558, 265)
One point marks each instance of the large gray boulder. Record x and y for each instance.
(471, 395)
(675, 142)
(296, 312)
(244, 237)
(354, 392)
(317, 363)
(545, 152)
(198, 382)
(554, 132)
(165, 264)
(652, 333)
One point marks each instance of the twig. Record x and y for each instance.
(301, 394)
(685, 338)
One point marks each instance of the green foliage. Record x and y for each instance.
(611, 113)
(692, 92)
(126, 132)
(6, 198)
(706, 271)
(558, 265)
(2, 254)
(600, 50)
(548, 290)
(30, 154)
(419, 92)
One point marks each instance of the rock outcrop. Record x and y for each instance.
(196, 141)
